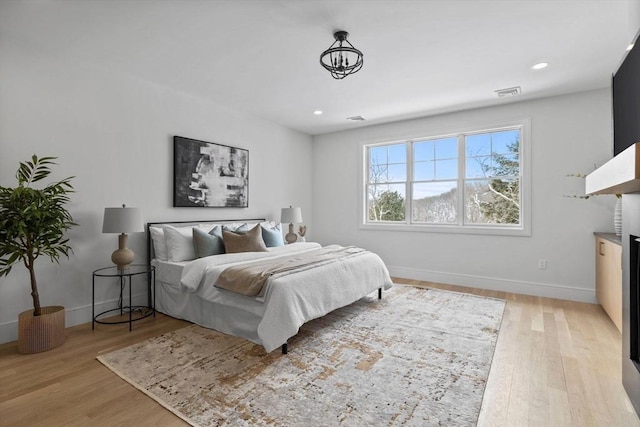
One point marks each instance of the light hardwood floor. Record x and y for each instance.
(557, 363)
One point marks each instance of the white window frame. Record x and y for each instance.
(522, 229)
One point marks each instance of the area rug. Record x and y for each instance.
(418, 357)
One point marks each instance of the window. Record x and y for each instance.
(466, 182)
(387, 178)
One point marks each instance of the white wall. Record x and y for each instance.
(569, 134)
(114, 132)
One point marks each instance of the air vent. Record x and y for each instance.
(357, 118)
(510, 91)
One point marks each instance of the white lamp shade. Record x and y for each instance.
(291, 215)
(122, 220)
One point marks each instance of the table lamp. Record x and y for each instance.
(122, 220)
(291, 215)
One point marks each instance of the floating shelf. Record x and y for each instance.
(619, 175)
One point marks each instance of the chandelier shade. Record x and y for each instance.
(342, 58)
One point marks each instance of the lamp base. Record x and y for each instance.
(291, 237)
(123, 256)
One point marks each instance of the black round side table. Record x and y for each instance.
(125, 277)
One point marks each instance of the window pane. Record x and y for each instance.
(386, 202)
(478, 167)
(501, 141)
(434, 202)
(424, 171)
(387, 163)
(447, 148)
(506, 165)
(377, 173)
(492, 201)
(397, 153)
(447, 169)
(397, 173)
(378, 155)
(493, 154)
(423, 151)
(478, 145)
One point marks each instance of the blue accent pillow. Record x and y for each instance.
(207, 244)
(272, 236)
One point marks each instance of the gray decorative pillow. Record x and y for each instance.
(251, 241)
(241, 229)
(207, 244)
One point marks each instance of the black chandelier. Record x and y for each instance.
(343, 59)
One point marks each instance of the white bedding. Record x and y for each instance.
(289, 300)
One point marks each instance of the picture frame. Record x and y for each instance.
(207, 174)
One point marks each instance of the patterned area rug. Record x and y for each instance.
(417, 357)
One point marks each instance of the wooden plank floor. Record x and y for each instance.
(557, 363)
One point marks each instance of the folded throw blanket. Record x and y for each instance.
(250, 279)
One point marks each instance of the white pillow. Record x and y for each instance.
(179, 243)
(159, 245)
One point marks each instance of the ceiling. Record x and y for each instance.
(261, 57)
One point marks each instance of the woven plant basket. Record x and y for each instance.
(41, 333)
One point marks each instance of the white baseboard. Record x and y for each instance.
(73, 316)
(547, 290)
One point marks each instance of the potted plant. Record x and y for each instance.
(33, 223)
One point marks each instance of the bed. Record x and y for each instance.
(190, 276)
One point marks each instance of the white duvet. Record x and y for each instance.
(293, 299)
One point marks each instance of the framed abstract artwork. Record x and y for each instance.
(209, 175)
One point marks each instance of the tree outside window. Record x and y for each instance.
(386, 183)
(492, 179)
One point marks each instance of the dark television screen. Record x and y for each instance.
(626, 102)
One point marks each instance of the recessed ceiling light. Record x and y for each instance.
(317, 112)
(540, 65)
(630, 47)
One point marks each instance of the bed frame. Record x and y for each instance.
(151, 253)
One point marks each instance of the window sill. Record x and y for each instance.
(450, 229)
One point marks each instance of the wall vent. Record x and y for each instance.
(510, 91)
(357, 118)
